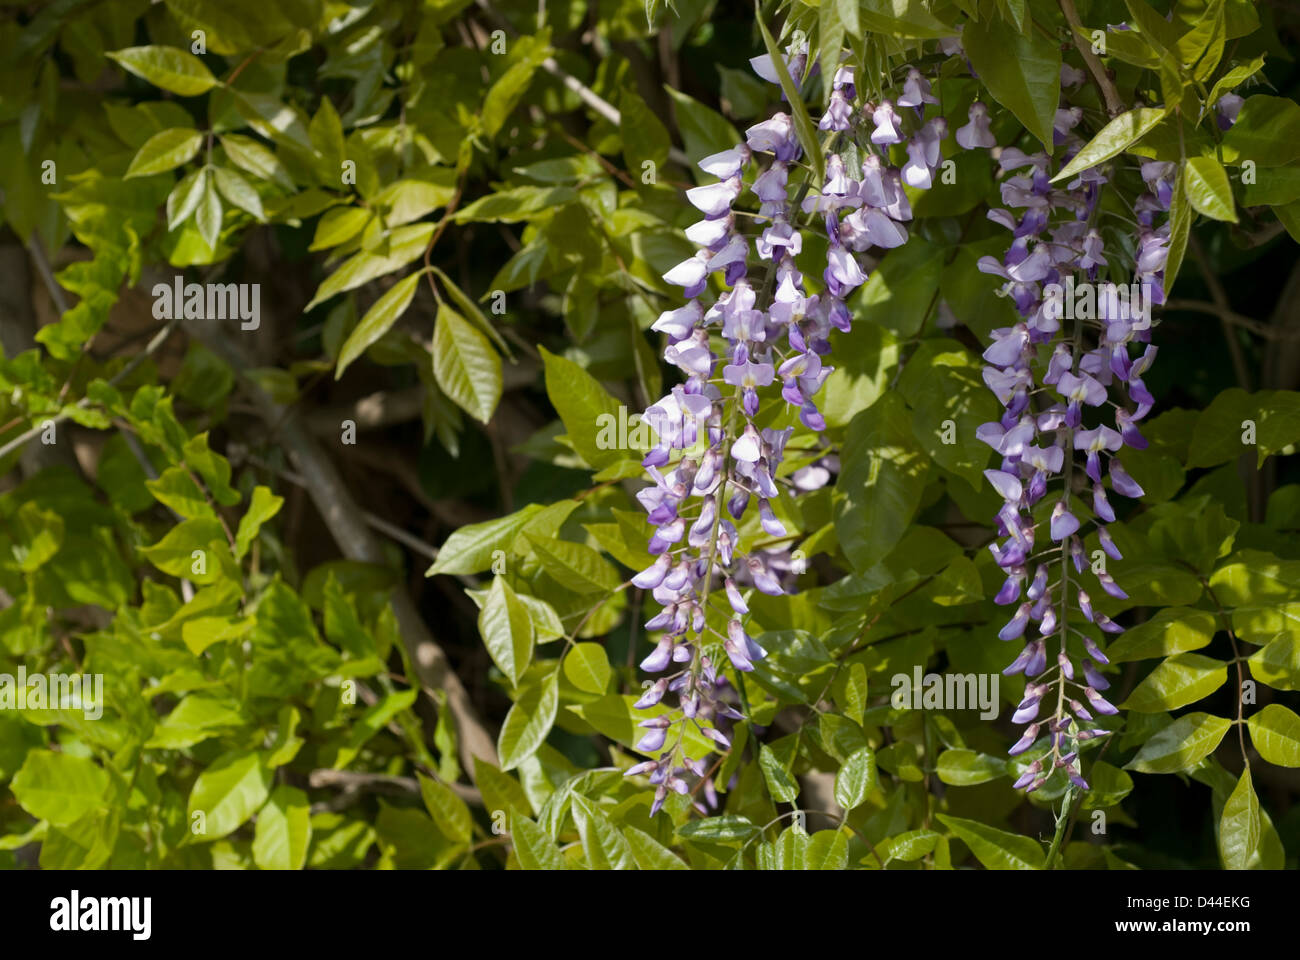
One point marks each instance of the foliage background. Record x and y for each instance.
(481, 171)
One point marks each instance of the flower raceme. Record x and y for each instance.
(1049, 382)
(712, 459)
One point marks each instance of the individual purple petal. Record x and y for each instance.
(1063, 522)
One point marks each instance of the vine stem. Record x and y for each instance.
(1114, 103)
(1054, 850)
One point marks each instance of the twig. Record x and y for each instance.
(1114, 104)
(1231, 316)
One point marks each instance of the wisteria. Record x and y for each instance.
(712, 459)
(1048, 425)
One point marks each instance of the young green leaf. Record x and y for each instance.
(1208, 189)
(1112, 140)
(587, 667)
(1239, 825)
(165, 151)
(169, 68)
(995, 849)
(283, 831)
(528, 722)
(1275, 731)
(382, 314)
(239, 192)
(507, 630)
(465, 365)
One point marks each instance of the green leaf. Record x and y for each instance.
(382, 314)
(228, 793)
(1275, 731)
(58, 787)
(604, 846)
(881, 482)
(174, 553)
(469, 549)
(37, 536)
(505, 93)
(582, 404)
(1172, 630)
(165, 151)
(1235, 78)
(196, 718)
(649, 853)
(1181, 745)
(511, 206)
(1239, 825)
(466, 367)
(903, 290)
(1254, 577)
(724, 829)
(781, 784)
(943, 384)
(176, 489)
(587, 667)
(175, 70)
(262, 506)
(1113, 139)
(207, 218)
(448, 810)
(239, 192)
(575, 566)
(1267, 132)
(325, 131)
(827, 850)
(1208, 189)
(1182, 679)
(283, 831)
(185, 196)
(965, 768)
(533, 847)
(996, 849)
(202, 632)
(507, 630)
(856, 779)
(252, 157)
(1278, 662)
(1109, 784)
(1021, 72)
(404, 245)
(804, 128)
(528, 722)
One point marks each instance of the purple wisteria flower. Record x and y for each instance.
(1048, 381)
(711, 458)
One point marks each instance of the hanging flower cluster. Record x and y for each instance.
(1046, 426)
(712, 459)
